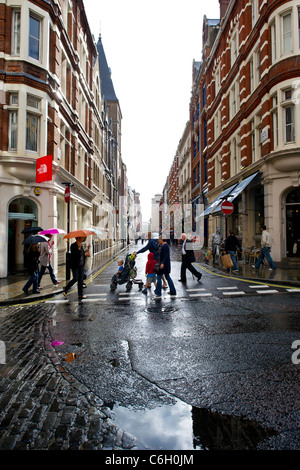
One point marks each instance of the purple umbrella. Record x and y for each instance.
(52, 231)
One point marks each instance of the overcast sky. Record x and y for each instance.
(150, 47)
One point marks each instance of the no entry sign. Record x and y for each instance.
(227, 207)
(67, 194)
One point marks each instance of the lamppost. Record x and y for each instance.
(67, 200)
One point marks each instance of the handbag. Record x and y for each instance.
(156, 268)
(227, 261)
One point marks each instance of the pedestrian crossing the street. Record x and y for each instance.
(105, 295)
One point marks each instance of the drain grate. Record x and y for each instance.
(157, 309)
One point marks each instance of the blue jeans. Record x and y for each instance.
(51, 272)
(170, 284)
(34, 277)
(232, 253)
(265, 253)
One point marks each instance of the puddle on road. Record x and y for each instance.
(182, 427)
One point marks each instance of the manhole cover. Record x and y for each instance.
(166, 309)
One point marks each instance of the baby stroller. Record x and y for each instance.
(127, 275)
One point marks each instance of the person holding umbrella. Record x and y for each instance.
(45, 260)
(32, 261)
(46, 253)
(77, 262)
(33, 269)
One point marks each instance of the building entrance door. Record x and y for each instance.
(22, 214)
(293, 224)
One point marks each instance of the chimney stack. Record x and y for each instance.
(223, 8)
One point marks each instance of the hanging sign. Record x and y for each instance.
(44, 169)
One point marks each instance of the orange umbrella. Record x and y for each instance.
(79, 233)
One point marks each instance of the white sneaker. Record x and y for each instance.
(157, 296)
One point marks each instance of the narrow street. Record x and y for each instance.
(177, 373)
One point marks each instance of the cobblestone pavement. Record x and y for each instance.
(41, 406)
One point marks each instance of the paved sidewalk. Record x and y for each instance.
(11, 287)
(286, 274)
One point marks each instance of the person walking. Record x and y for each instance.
(33, 269)
(149, 272)
(77, 262)
(45, 261)
(215, 244)
(165, 269)
(151, 246)
(188, 257)
(154, 247)
(231, 245)
(266, 245)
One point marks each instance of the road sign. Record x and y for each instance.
(227, 207)
(67, 194)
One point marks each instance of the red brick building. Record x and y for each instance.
(244, 114)
(54, 101)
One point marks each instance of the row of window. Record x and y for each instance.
(32, 115)
(34, 34)
(285, 34)
(36, 37)
(283, 120)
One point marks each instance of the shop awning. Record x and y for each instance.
(237, 190)
(217, 201)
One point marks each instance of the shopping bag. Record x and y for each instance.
(227, 261)
(208, 254)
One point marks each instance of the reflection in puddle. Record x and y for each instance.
(217, 431)
(182, 427)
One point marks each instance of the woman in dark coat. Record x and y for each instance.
(77, 262)
(165, 269)
(33, 269)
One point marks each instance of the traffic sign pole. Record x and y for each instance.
(227, 209)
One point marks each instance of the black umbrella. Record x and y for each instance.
(33, 239)
(32, 230)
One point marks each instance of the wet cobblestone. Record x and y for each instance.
(42, 407)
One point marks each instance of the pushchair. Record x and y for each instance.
(127, 275)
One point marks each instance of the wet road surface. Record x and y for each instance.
(222, 345)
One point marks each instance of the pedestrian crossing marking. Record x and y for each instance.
(269, 291)
(95, 295)
(196, 290)
(293, 290)
(235, 293)
(227, 288)
(258, 287)
(207, 294)
(94, 300)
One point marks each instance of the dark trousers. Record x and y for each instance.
(186, 264)
(34, 277)
(51, 272)
(78, 276)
